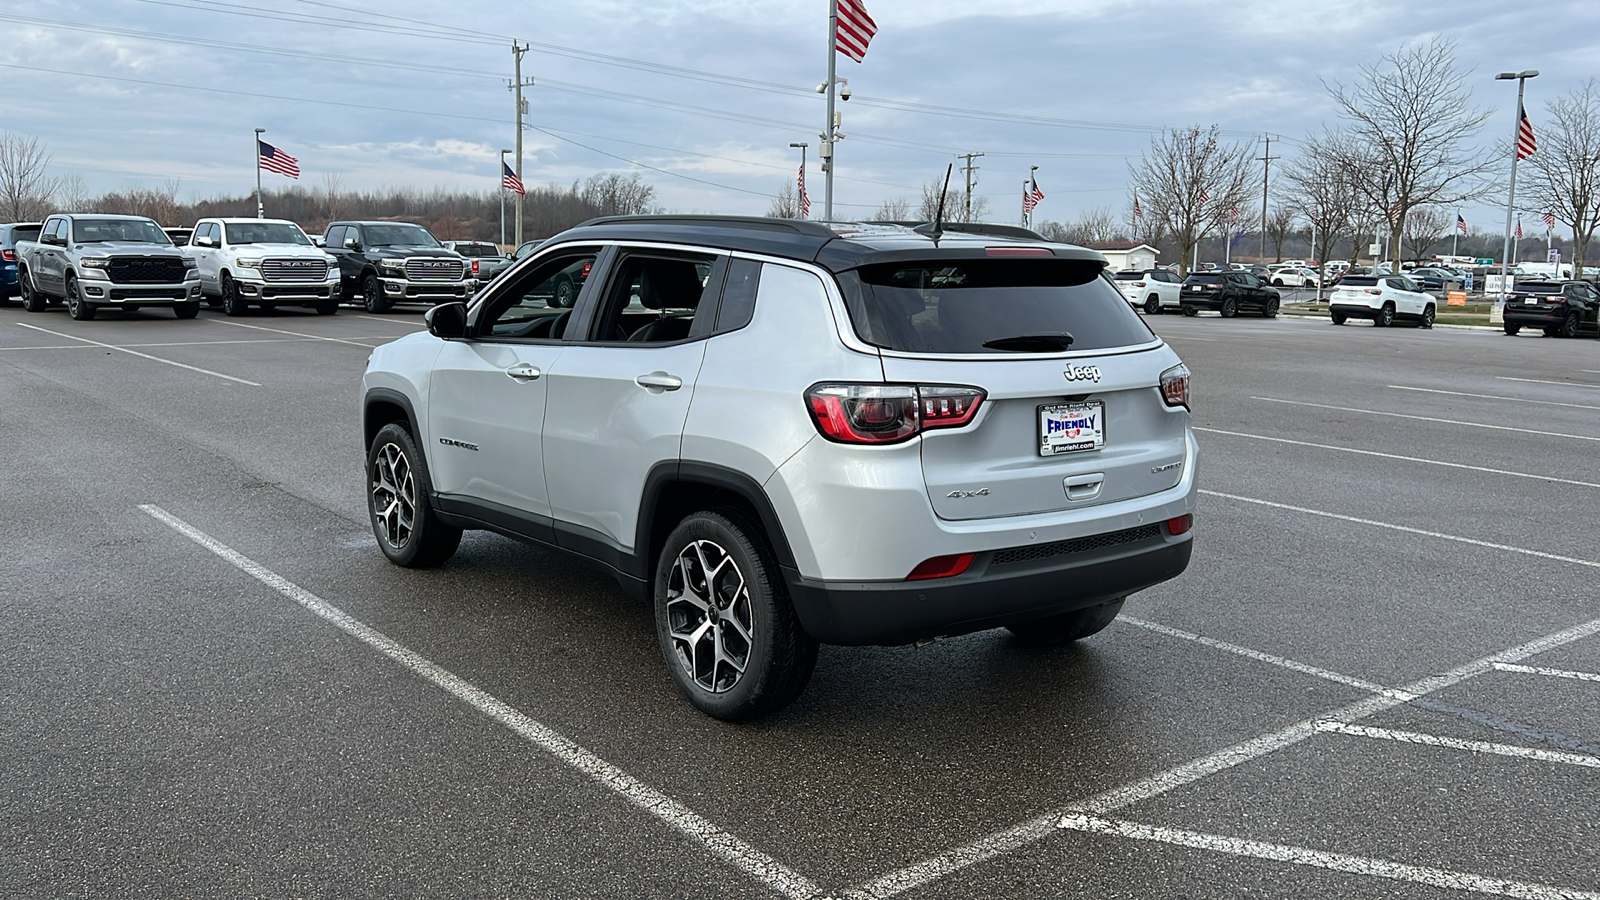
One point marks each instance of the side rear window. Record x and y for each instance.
(738, 295)
(958, 305)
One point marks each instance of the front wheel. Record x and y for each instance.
(1152, 305)
(327, 308)
(233, 303)
(186, 310)
(1270, 310)
(372, 296)
(408, 530)
(724, 621)
(1067, 627)
(1190, 311)
(1427, 317)
(77, 307)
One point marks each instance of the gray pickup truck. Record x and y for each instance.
(96, 262)
(484, 260)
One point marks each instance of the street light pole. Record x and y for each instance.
(261, 209)
(1521, 79)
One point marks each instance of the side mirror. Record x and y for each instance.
(52, 239)
(204, 242)
(447, 320)
(352, 243)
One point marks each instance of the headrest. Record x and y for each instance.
(669, 284)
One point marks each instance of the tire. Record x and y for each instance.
(1569, 326)
(1385, 316)
(77, 307)
(32, 300)
(233, 303)
(1152, 305)
(408, 530)
(1512, 330)
(372, 296)
(1066, 627)
(1230, 308)
(1339, 318)
(186, 310)
(5, 299)
(1427, 317)
(213, 302)
(1270, 311)
(740, 616)
(1190, 311)
(564, 294)
(1278, 282)
(327, 308)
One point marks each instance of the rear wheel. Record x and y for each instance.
(77, 307)
(1339, 318)
(32, 300)
(408, 530)
(1067, 627)
(233, 303)
(1230, 308)
(372, 296)
(1152, 305)
(1569, 326)
(724, 621)
(1385, 316)
(1512, 329)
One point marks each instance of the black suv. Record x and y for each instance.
(384, 263)
(1561, 308)
(1228, 293)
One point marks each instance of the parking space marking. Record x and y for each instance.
(264, 340)
(1542, 381)
(142, 355)
(1548, 673)
(1039, 827)
(1407, 529)
(1374, 412)
(1270, 659)
(1394, 456)
(759, 866)
(1401, 387)
(390, 321)
(312, 337)
(1434, 740)
(1322, 859)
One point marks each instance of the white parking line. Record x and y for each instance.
(1407, 529)
(1415, 459)
(1434, 740)
(1374, 412)
(1548, 673)
(759, 866)
(1400, 387)
(1257, 655)
(264, 340)
(141, 355)
(1542, 381)
(402, 322)
(312, 337)
(1321, 859)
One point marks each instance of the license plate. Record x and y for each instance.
(1072, 427)
(1530, 302)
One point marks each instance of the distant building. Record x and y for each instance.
(1126, 256)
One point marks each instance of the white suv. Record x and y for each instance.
(782, 434)
(1151, 290)
(262, 262)
(1385, 299)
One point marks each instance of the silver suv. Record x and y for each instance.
(781, 434)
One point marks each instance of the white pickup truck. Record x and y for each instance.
(262, 262)
(96, 262)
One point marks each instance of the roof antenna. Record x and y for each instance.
(938, 218)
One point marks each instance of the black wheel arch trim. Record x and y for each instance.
(388, 395)
(712, 475)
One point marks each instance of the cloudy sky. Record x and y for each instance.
(703, 98)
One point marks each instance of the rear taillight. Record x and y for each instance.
(1180, 524)
(1018, 251)
(1175, 386)
(1556, 299)
(941, 567)
(1374, 291)
(8, 255)
(585, 272)
(474, 267)
(888, 413)
(1139, 284)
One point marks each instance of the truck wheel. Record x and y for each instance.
(1230, 308)
(77, 307)
(233, 303)
(186, 310)
(372, 296)
(326, 308)
(1067, 627)
(1385, 316)
(32, 300)
(724, 621)
(1152, 305)
(409, 532)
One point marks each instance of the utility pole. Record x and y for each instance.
(522, 110)
(1266, 168)
(969, 168)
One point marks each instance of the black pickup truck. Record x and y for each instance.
(384, 263)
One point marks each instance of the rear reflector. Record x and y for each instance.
(940, 567)
(1180, 525)
(1018, 251)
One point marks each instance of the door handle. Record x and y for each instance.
(659, 381)
(524, 372)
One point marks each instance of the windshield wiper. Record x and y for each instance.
(1032, 343)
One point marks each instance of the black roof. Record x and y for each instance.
(836, 246)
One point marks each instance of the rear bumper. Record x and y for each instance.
(1354, 311)
(1202, 301)
(1535, 316)
(987, 595)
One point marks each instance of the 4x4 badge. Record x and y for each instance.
(1083, 373)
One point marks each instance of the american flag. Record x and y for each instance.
(1031, 195)
(1138, 211)
(274, 160)
(1518, 233)
(1205, 196)
(1233, 213)
(509, 180)
(1526, 145)
(805, 198)
(855, 29)
(1461, 224)
(1549, 220)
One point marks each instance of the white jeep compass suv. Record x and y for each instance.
(782, 433)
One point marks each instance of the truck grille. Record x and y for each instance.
(1076, 545)
(145, 270)
(294, 269)
(434, 268)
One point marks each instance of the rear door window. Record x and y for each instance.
(958, 305)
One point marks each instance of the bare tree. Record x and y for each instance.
(1192, 183)
(896, 210)
(1426, 226)
(613, 194)
(1319, 186)
(954, 204)
(1564, 176)
(785, 205)
(72, 195)
(1413, 134)
(26, 188)
(1054, 231)
(1280, 224)
(1093, 225)
(332, 193)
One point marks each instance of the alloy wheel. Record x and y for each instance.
(709, 616)
(394, 495)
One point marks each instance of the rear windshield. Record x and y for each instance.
(955, 306)
(25, 233)
(1539, 287)
(1359, 280)
(1209, 278)
(477, 250)
(1128, 276)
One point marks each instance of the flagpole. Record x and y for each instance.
(261, 209)
(1511, 195)
(1024, 203)
(826, 150)
(1455, 236)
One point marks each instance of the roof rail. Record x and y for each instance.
(993, 229)
(797, 226)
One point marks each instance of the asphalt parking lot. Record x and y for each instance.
(1378, 678)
